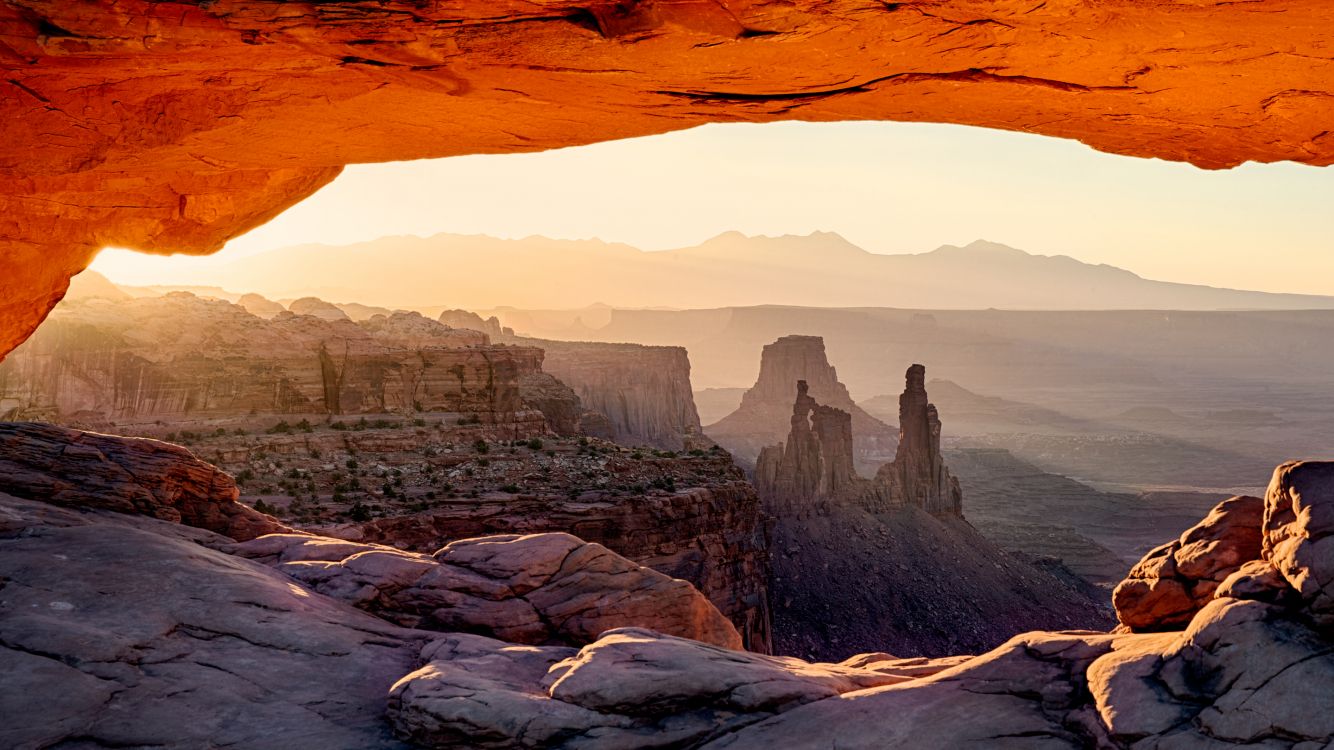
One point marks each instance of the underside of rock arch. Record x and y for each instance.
(174, 126)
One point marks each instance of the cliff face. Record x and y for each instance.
(889, 563)
(180, 358)
(764, 415)
(643, 391)
(714, 536)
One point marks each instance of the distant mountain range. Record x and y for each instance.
(819, 270)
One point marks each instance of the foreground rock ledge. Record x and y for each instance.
(122, 630)
(171, 127)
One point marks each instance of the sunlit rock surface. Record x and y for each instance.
(640, 394)
(173, 127)
(128, 475)
(537, 589)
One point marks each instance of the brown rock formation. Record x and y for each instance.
(815, 465)
(127, 475)
(122, 137)
(643, 391)
(534, 589)
(889, 563)
(472, 321)
(713, 536)
(918, 475)
(180, 358)
(765, 414)
(1173, 582)
(318, 308)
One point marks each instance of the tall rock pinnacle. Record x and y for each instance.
(763, 417)
(918, 475)
(814, 467)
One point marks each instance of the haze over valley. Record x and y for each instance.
(816, 270)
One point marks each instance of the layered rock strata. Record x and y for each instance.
(765, 414)
(715, 536)
(533, 589)
(643, 392)
(128, 475)
(181, 359)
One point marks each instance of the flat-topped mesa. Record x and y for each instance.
(641, 393)
(814, 466)
(180, 359)
(761, 420)
(918, 475)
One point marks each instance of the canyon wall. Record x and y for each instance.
(764, 416)
(180, 358)
(643, 391)
(713, 535)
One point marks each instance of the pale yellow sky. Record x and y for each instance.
(889, 187)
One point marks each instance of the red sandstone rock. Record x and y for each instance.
(128, 475)
(537, 589)
(890, 563)
(918, 476)
(1173, 582)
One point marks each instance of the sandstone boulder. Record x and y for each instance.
(536, 589)
(128, 475)
(632, 688)
(1174, 581)
(1299, 534)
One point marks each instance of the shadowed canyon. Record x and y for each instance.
(694, 443)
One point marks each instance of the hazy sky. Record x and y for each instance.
(889, 187)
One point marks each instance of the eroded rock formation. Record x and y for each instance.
(864, 564)
(534, 589)
(127, 475)
(1173, 582)
(189, 635)
(918, 476)
(643, 392)
(121, 137)
(815, 465)
(181, 358)
(765, 414)
(713, 535)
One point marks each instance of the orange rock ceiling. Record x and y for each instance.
(172, 126)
